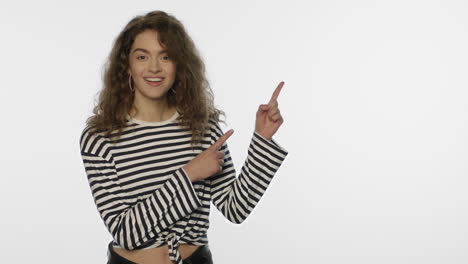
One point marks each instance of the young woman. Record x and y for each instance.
(155, 155)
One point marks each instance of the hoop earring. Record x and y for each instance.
(173, 89)
(130, 83)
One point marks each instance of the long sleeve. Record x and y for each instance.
(131, 223)
(236, 197)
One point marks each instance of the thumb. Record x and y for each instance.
(261, 109)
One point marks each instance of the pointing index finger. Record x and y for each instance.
(222, 139)
(276, 92)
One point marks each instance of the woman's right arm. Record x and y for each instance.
(133, 224)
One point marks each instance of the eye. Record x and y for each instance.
(166, 57)
(140, 56)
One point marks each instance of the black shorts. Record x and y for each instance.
(200, 256)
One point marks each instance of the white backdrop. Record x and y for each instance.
(376, 124)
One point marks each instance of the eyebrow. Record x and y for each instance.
(146, 51)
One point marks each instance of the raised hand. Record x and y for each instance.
(268, 118)
(209, 162)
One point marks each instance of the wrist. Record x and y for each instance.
(189, 173)
(264, 136)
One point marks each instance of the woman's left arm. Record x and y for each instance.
(236, 197)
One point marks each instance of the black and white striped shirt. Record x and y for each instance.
(145, 197)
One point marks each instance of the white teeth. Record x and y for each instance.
(153, 79)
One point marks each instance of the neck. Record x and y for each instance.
(151, 111)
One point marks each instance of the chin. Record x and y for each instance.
(156, 95)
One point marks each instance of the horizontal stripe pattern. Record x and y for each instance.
(145, 197)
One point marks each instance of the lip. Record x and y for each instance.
(154, 77)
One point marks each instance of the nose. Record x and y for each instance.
(154, 65)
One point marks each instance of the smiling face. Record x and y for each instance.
(148, 59)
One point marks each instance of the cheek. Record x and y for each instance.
(172, 70)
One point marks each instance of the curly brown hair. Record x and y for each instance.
(194, 99)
